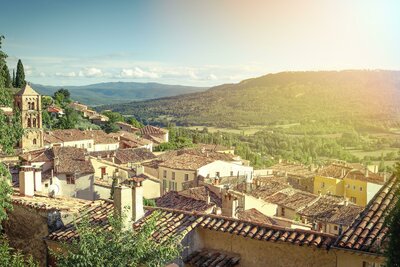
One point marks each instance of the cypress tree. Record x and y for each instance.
(7, 78)
(20, 77)
(13, 78)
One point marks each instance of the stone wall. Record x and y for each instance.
(26, 229)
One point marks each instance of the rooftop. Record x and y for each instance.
(71, 160)
(27, 90)
(292, 198)
(332, 210)
(172, 222)
(206, 257)
(369, 233)
(42, 202)
(186, 162)
(152, 130)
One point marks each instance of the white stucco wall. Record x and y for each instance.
(225, 169)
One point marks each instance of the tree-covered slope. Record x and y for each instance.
(118, 92)
(281, 97)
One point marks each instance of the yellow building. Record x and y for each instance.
(357, 186)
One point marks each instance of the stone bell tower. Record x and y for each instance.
(28, 101)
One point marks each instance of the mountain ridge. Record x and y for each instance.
(284, 96)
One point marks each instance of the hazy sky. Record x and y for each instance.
(196, 42)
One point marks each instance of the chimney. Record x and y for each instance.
(38, 179)
(229, 205)
(137, 201)
(366, 172)
(343, 172)
(123, 205)
(26, 181)
(208, 200)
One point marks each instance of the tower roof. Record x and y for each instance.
(27, 90)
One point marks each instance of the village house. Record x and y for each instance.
(91, 140)
(59, 171)
(355, 185)
(55, 111)
(297, 175)
(210, 238)
(181, 171)
(131, 140)
(155, 134)
(123, 126)
(330, 214)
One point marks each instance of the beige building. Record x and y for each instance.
(28, 101)
(155, 134)
(123, 126)
(180, 172)
(91, 140)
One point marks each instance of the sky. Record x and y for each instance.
(195, 42)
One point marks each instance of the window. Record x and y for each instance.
(217, 174)
(70, 179)
(353, 199)
(164, 174)
(46, 185)
(172, 186)
(282, 211)
(34, 122)
(354, 187)
(89, 145)
(173, 175)
(29, 123)
(335, 228)
(322, 185)
(82, 145)
(164, 183)
(34, 141)
(361, 189)
(186, 177)
(231, 173)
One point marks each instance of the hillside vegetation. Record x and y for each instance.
(118, 92)
(287, 97)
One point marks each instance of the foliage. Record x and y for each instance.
(62, 97)
(5, 192)
(69, 120)
(3, 57)
(20, 76)
(113, 116)
(134, 122)
(10, 257)
(10, 131)
(6, 76)
(117, 247)
(288, 97)
(393, 251)
(149, 202)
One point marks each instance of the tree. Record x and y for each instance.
(6, 76)
(13, 79)
(134, 122)
(62, 97)
(20, 76)
(3, 57)
(393, 221)
(10, 257)
(117, 247)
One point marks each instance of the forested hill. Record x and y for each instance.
(118, 92)
(282, 97)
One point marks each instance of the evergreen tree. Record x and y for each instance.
(3, 57)
(6, 76)
(13, 79)
(20, 77)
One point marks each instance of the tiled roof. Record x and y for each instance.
(292, 198)
(71, 160)
(27, 90)
(186, 162)
(99, 137)
(202, 193)
(151, 130)
(264, 187)
(44, 203)
(332, 210)
(368, 233)
(211, 258)
(133, 155)
(179, 223)
(67, 135)
(174, 200)
(293, 169)
(334, 171)
(40, 155)
(253, 215)
(362, 176)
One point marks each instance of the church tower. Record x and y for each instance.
(29, 103)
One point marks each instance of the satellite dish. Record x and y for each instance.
(54, 190)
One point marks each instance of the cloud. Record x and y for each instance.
(212, 77)
(68, 74)
(91, 72)
(137, 73)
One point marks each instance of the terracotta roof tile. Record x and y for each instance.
(152, 130)
(292, 198)
(212, 258)
(186, 162)
(368, 233)
(71, 160)
(179, 223)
